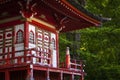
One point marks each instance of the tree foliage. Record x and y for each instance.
(107, 8)
(100, 49)
(99, 46)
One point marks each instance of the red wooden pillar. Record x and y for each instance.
(82, 73)
(13, 48)
(48, 75)
(72, 77)
(26, 38)
(7, 75)
(3, 57)
(13, 54)
(30, 73)
(57, 47)
(61, 76)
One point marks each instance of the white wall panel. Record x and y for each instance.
(10, 49)
(17, 54)
(54, 59)
(1, 50)
(32, 28)
(31, 45)
(6, 49)
(53, 50)
(19, 47)
(1, 36)
(19, 27)
(1, 57)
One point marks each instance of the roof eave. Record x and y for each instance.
(90, 17)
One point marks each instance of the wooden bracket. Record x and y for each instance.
(27, 9)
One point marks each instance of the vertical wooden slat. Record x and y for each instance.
(61, 76)
(47, 75)
(30, 73)
(57, 48)
(7, 75)
(72, 77)
(13, 48)
(13, 55)
(4, 46)
(8, 56)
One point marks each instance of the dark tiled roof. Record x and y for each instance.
(82, 9)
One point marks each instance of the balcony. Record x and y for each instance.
(33, 56)
(25, 56)
(38, 62)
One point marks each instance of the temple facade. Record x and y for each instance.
(29, 38)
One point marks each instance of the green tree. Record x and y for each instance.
(99, 46)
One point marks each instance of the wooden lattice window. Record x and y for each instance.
(19, 36)
(31, 37)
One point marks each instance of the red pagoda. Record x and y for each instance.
(29, 38)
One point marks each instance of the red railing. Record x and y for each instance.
(74, 65)
(29, 56)
(40, 57)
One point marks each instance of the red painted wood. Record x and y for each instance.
(67, 58)
(26, 37)
(1, 37)
(57, 48)
(11, 23)
(7, 75)
(13, 51)
(29, 74)
(8, 57)
(61, 76)
(47, 75)
(72, 77)
(40, 71)
(39, 25)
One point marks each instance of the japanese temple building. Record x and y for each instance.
(29, 38)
